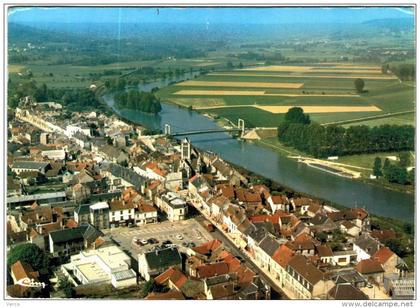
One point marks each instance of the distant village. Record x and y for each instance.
(112, 207)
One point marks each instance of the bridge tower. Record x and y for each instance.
(241, 127)
(167, 129)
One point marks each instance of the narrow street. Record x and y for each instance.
(276, 292)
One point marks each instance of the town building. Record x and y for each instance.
(108, 264)
(172, 205)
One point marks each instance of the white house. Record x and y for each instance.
(103, 265)
(173, 205)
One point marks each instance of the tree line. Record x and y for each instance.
(321, 141)
(405, 71)
(395, 172)
(142, 101)
(73, 99)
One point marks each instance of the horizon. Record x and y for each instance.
(208, 15)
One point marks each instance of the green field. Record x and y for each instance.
(319, 89)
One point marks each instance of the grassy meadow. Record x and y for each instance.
(243, 93)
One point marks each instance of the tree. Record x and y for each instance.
(67, 287)
(385, 168)
(404, 159)
(396, 246)
(28, 253)
(229, 64)
(396, 174)
(411, 176)
(408, 228)
(359, 85)
(240, 65)
(296, 115)
(377, 167)
(385, 68)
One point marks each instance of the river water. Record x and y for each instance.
(268, 163)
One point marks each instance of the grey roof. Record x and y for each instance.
(269, 244)
(20, 164)
(258, 233)
(105, 196)
(268, 225)
(367, 243)
(59, 194)
(83, 232)
(91, 233)
(319, 219)
(192, 287)
(210, 281)
(162, 259)
(82, 209)
(348, 276)
(222, 167)
(299, 228)
(123, 275)
(66, 235)
(347, 292)
(126, 174)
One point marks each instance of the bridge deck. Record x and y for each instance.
(208, 131)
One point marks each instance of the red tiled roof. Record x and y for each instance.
(145, 207)
(231, 261)
(23, 270)
(117, 205)
(324, 251)
(361, 213)
(279, 199)
(155, 168)
(172, 294)
(283, 255)
(208, 247)
(33, 234)
(153, 185)
(71, 223)
(369, 266)
(211, 270)
(174, 275)
(263, 218)
(302, 201)
(228, 192)
(192, 179)
(244, 274)
(382, 255)
(383, 235)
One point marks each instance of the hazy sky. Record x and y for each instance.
(206, 15)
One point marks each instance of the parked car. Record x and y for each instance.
(179, 237)
(166, 242)
(152, 241)
(144, 242)
(210, 228)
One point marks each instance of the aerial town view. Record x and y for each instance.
(210, 153)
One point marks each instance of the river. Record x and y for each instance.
(270, 164)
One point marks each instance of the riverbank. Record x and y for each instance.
(361, 173)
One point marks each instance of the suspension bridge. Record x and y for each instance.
(240, 129)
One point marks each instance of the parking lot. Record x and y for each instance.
(178, 233)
